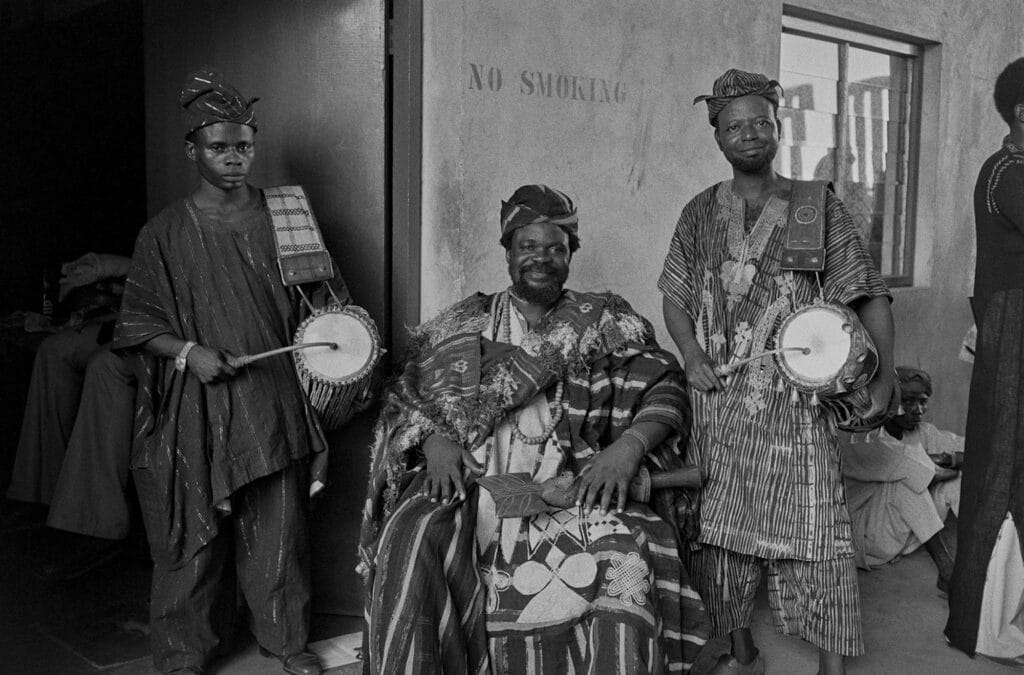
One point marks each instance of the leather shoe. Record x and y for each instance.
(305, 663)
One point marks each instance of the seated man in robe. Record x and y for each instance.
(902, 481)
(59, 369)
(571, 390)
(77, 430)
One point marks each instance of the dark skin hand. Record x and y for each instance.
(943, 474)
(701, 375)
(208, 364)
(445, 462)
(609, 474)
(700, 370)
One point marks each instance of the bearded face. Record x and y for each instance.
(538, 262)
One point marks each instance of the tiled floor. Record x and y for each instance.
(97, 624)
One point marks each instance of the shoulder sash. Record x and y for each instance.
(301, 254)
(804, 247)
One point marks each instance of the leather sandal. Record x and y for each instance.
(304, 663)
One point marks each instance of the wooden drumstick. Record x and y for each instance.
(246, 359)
(733, 367)
(689, 477)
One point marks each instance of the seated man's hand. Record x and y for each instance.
(942, 474)
(209, 365)
(610, 471)
(445, 461)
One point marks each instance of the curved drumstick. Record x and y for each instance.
(246, 359)
(733, 367)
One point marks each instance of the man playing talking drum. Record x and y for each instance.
(223, 455)
(774, 493)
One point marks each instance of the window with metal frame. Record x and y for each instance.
(850, 115)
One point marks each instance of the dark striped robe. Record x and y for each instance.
(774, 487)
(432, 602)
(219, 285)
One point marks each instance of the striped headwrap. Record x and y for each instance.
(206, 98)
(532, 204)
(736, 83)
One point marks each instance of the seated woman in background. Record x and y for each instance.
(902, 481)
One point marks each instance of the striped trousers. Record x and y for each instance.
(818, 601)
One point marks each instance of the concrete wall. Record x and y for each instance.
(634, 161)
(318, 67)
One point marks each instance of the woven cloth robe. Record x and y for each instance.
(568, 592)
(774, 487)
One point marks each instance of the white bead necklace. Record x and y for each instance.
(555, 407)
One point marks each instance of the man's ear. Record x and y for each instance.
(508, 255)
(190, 150)
(1018, 112)
(718, 141)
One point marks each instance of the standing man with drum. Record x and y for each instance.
(222, 454)
(774, 493)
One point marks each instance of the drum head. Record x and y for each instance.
(357, 348)
(827, 334)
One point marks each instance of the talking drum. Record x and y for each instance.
(826, 352)
(837, 355)
(337, 381)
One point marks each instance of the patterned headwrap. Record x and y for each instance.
(206, 98)
(531, 204)
(908, 374)
(736, 83)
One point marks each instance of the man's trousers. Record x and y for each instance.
(262, 548)
(91, 493)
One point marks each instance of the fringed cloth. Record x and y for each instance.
(427, 601)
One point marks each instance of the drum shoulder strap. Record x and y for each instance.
(301, 254)
(804, 246)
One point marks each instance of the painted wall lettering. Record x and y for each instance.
(547, 84)
(481, 76)
(571, 87)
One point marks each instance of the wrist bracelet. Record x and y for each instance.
(181, 360)
(645, 443)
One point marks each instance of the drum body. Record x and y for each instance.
(337, 381)
(841, 357)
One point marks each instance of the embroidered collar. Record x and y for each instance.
(1010, 146)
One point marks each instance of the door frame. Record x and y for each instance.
(403, 176)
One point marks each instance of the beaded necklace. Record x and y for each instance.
(555, 407)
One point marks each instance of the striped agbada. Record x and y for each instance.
(774, 488)
(198, 447)
(562, 591)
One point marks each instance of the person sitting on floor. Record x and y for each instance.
(902, 482)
